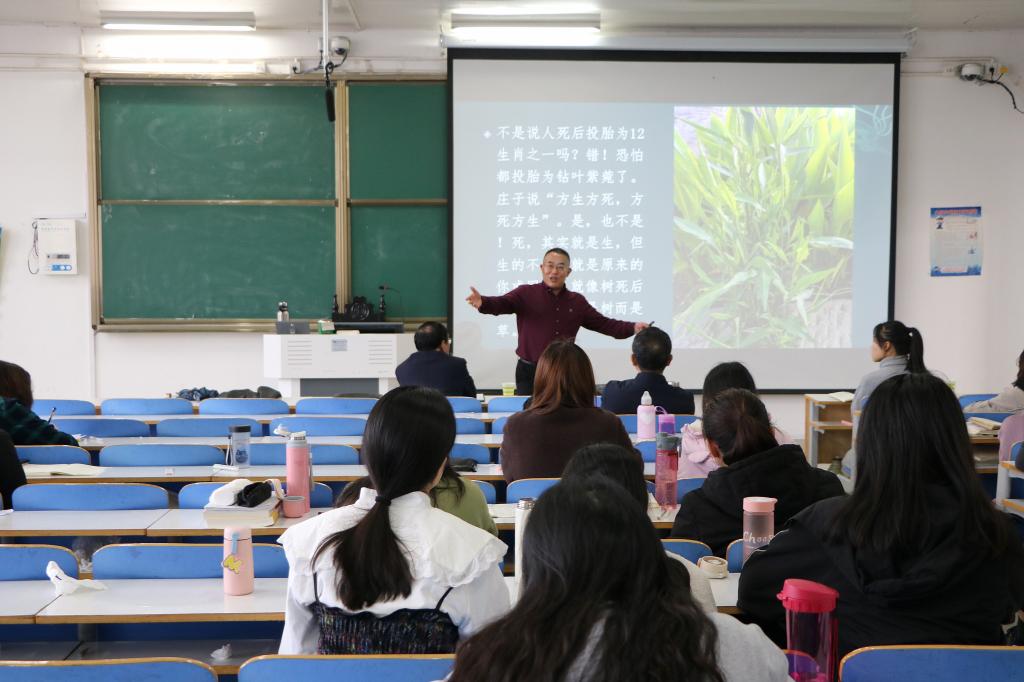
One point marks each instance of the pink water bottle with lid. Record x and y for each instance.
(238, 569)
(666, 469)
(812, 629)
(299, 471)
(646, 415)
(758, 523)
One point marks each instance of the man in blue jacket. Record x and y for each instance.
(432, 366)
(652, 353)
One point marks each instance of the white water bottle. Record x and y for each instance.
(523, 509)
(646, 418)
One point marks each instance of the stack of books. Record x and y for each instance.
(262, 515)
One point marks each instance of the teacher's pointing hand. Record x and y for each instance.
(474, 299)
(640, 326)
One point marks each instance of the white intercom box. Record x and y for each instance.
(58, 246)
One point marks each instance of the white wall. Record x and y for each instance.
(959, 144)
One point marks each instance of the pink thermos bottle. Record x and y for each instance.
(646, 418)
(237, 564)
(812, 630)
(758, 523)
(299, 475)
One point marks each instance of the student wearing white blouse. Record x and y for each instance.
(1010, 400)
(391, 574)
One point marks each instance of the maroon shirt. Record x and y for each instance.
(543, 316)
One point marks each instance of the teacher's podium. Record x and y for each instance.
(329, 364)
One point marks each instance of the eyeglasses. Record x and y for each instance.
(559, 267)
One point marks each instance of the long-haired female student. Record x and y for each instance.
(1010, 400)
(561, 417)
(391, 573)
(16, 416)
(599, 601)
(918, 553)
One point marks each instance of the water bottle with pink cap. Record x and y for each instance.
(758, 523)
(812, 630)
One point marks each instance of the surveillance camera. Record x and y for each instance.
(340, 46)
(970, 71)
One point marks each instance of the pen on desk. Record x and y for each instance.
(53, 411)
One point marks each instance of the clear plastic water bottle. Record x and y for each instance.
(238, 445)
(646, 414)
(758, 523)
(812, 630)
(666, 469)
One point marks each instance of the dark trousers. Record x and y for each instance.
(525, 371)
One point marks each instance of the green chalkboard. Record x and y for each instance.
(215, 142)
(206, 262)
(398, 140)
(405, 247)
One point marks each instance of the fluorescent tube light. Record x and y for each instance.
(588, 22)
(178, 21)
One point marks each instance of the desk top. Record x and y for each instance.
(167, 601)
(265, 418)
(181, 522)
(21, 600)
(186, 474)
(504, 516)
(62, 523)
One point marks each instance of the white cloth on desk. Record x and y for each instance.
(442, 550)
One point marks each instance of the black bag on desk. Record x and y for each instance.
(463, 464)
(253, 494)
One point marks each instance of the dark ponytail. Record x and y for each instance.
(1019, 383)
(408, 436)
(905, 341)
(737, 422)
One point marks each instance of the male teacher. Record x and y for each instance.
(547, 311)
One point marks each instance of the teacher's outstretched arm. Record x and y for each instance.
(619, 329)
(509, 304)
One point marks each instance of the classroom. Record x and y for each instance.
(191, 180)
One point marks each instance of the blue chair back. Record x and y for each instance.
(271, 454)
(160, 454)
(402, 668)
(186, 560)
(321, 426)
(89, 497)
(934, 663)
(969, 398)
(28, 562)
(479, 453)
(628, 421)
(994, 416)
(684, 419)
(734, 555)
(129, 670)
(243, 406)
(1015, 455)
(509, 403)
(103, 428)
(466, 425)
(465, 404)
(686, 485)
(498, 425)
(65, 408)
(335, 405)
(648, 449)
(196, 495)
(145, 406)
(186, 426)
(691, 550)
(53, 454)
(528, 487)
(490, 493)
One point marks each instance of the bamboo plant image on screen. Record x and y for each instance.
(764, 200)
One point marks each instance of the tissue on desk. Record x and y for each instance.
(65, 584)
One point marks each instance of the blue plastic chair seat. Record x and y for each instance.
(271, 454)
(243, 406)
(528, 487)
(103, 428)
(691, 550)
(464, 425)
(64, 408)
(335, 405)
(142, 406)
(169, 560)
(321, 426)
(155, 670)
(89, 497)
(160, 454)
(185, 427)
(53, 454)
(28, 562)
(465, 404)
(348, 668)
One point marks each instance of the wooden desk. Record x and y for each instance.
(185, 474)
(63, 523)
(167, 601)
(267, 418)
(325, 473)
(504, 516)
(21, 600)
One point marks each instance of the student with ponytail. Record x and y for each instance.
(599, 601)
(391, 574)
(740, 436)
(898, 349)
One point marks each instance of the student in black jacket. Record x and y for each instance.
(740, 434)
(432, 366)
(918, 553)
(652, 353)
(11, 473)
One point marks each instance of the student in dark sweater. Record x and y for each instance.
(652, 353)
(433, 365)
(561, 417)
(11, 473)
(16, 416)
(739, 432)
(918, 553)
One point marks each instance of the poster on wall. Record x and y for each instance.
(956, 245)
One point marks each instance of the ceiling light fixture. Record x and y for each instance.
(582, 23)
(178, 21)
